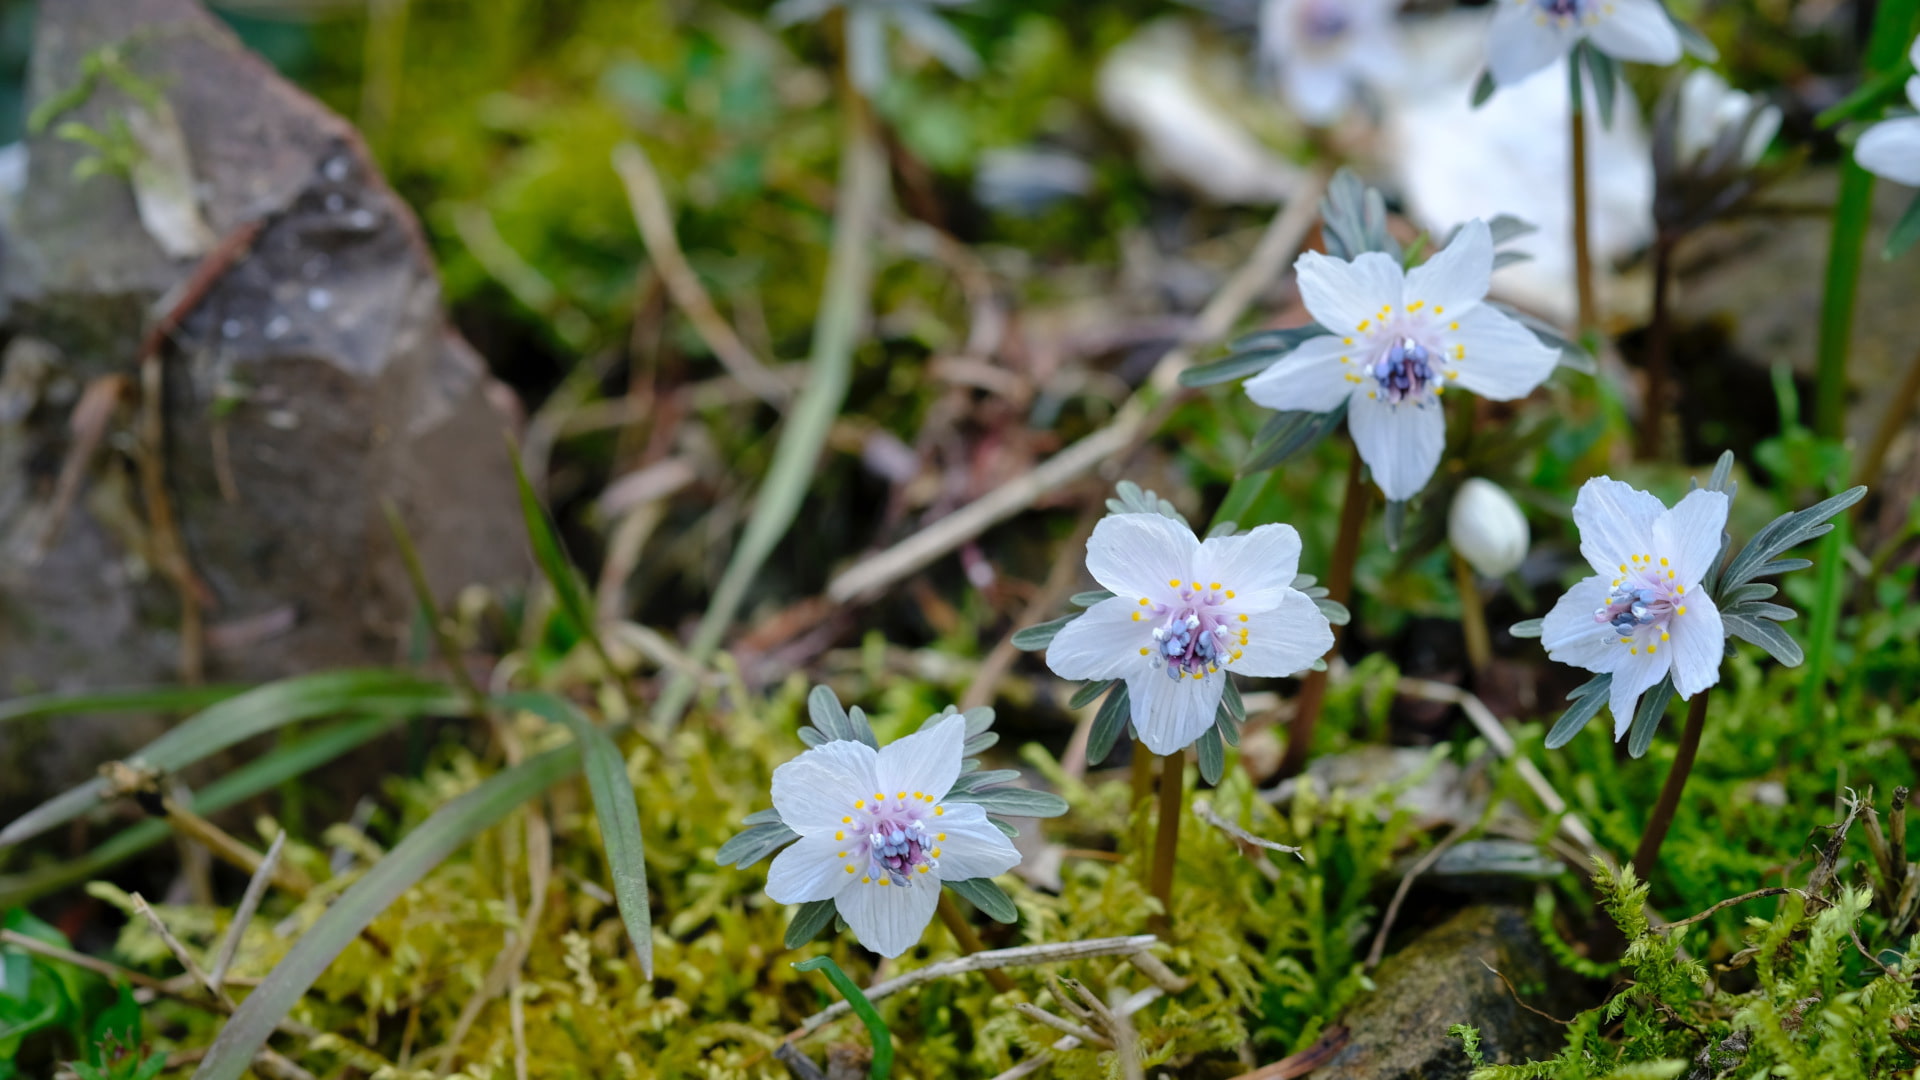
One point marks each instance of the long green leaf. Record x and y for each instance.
(551, 556)
(239, 718)
(263, 773)
(615, 806)
(882, 1065)
(437, 837)
(143, 699)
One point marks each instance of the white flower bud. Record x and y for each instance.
(1709, 108)
(1487, 528)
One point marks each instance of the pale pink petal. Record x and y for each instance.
(1311, 378)
(813, 791)
(1499, 359)
(1257, 567)
(1699, 642)
(1615, 522)
(1136, 555)
(1400, 443)
(926, 762)
(1104, 643)
(970, 846)
(809, 869)
(1689, 535)
(1284, 641)
(1169, 714)
(890, 919)
(1457, 278)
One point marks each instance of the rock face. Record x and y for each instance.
(1399, 1032)
(314, 380)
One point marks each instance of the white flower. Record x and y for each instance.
(1320, 50)
(866, 34)
(1487, 528)
(1644, 613)
(1709, 108)
(1527, 35)
(1184, 614)
(1891, 148)
(876, 837)
(1396, 340)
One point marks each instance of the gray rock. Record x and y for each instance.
(1399, 1031)
(316, 380)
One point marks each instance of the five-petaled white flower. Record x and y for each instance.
(1396, 340)
(1528, 35)
(1321, 50)
(1644, 613)
(877, 838)
(1184, 614)
(1891, 148)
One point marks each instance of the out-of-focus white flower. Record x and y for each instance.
(1528, 35)
(1396, 339)
(1321, 51)
(1891, 148)
(1025, 180)
(1709, 108)
(867, 22)
(1487, 528)
(1183, 614)
(1643, 613)
(877, 836)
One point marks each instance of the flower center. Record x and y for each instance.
(1324, 21)
(1404, 353)
(889, 839)
(1567, 11)
(1196, 634)
(1642, 602)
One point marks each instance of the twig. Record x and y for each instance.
(1158, 972)
(1516, 996)
(1296, 1065)
(1899, 411)
(1068, 1042)
(179, 951)
(1051, 595)
(1757, 894)
(1023, 956)
(1203, 809)
(242, 915)
(650, 211)
(1066, 1027)
(1126, 1041)
(88, 425)
(1897, 839)
(1406, 885)
(231, 850)
(1281, 240)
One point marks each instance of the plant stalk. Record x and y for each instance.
(1894, 419)
(1166, 840)
(1582, 225)
(1141, 772)
(1648, 853)
(1653, 427)
(1826, 621)
(1473, 616)
(1346, 549)
(969, 941)
(843, 312)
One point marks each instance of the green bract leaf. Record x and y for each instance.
(1015, 802)
(1212, 755)
(1528, 628)
(1251, 355)
(1782, 534)
(1087, 692)
(1647, 716)
(1108, 724)
(989, 897)
(1587, 699)
(1483, 88)
(1905, 231)
(1088, 599)
(1035, 638)
(1768, 635)
(808, 920)
(1288, 434)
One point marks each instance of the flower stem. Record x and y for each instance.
(1473, 616)
(1582, 230)
(1166, 839)
(969, 941)
(1653, 426)
(1346, 548)
(1648, 853)
(1142, 772)
(1899, 410)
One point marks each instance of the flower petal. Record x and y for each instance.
(1284, 641)
(1169, 714)
(1258, 567)
(1615, 521)
(1638, 31)
(807, 870)
(1318, 93)
(1343, 296)
(1104, 643)
(925, 762)
(1400, 443)
(1135, 555)
(1689, 534)
(1457, 278)
(973, 846)
(1518, 45)
(1892, 149)
(1311, 378)
(890, 919)
(1699, 644)
(1571, 636)
(1502, 360)
(1635, 676)
(813, 791)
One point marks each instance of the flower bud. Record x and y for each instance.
(1487, 528)
(1710, 111)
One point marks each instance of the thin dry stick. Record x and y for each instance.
(242, 915)
(1897, 830)
(1473, 616)
(648, 200)
(1126, 1041)
(1023, 956)
(969, 941)
(180, 953)
(1066, 1027)
(1899, 411)
(229, 849)
(1130, 424)
(1050, 597)
(1516, 996)
(1648, 853)
(1757, 894)
(1346, 549)
(1068, 1042)
(1304, 1062)
(1400, 893)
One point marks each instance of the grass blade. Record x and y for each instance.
(141, 699)
(264, 773)
(437, 837)
(882, 1038)
(241, 717)
(551, 556)
(615, 806)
